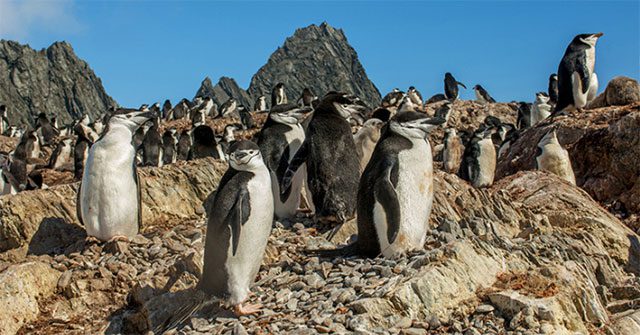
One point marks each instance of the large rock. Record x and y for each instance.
(46, 219)
(620, 91)
(318, 57)
(225, 88)
(21, 287)
(604, 147)
(53, 80)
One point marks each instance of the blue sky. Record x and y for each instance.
(147, 51)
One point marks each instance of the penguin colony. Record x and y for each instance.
(334, 154)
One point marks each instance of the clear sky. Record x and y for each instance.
(147, 51)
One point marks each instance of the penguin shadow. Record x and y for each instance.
(55, 236)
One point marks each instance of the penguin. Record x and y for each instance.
(179, 111)
(109, 199)
(366, 139)
(451, 87)
(4, 121)
(481, 159)
(552, 91)
(332, 166)
(260, 105)
(512, 135)
(444, 111)
(29, 146)
(415, 96)
(382, 114)
(406, 105)
(155, 108)
(245, 118)
(577, 81)
(166, 107)
(541, 109)
(395, 193)
(279, 139)
(61, 157)
(198, 116)
(524, 115)
(14, 132)
(144, 107)
(98, 126)
(85, 138)
(8, 183)
(278, 95)
(392, 99)
(15, 173)
(184, 145)
(169, 146)
(552, 157)
(482, 96)
(45, 129)
(307, 97)
(436, 98)
(204, 144)
(152, 146)
(229, 135)
(228, 109)
(453, 151)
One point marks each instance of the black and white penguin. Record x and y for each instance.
(180, 110)
(261, 104)
(144, 107)
(29, 146)
(198, 116)
(155, 108)
(482, 96)
(98, 126)
(166, 108)
(15, 131)
(392, 99)
(169, 146)
(4, 121)
(366, 139)
(85, 139)
(279, 139)
(109, 198)
(278, 95)
(229, 136)
(553, 88)
(481, 158)
(406, 105)
(444, 111)
(332, 166)
(453, 151)
(524, 115)
(152, 146)
(541, 109)
(382, 114)
(436, 98)
(552, 157)
(8, 183)
(184, 145)
(61, 158)
(246, 119)
(228, 109)
(307, 97)
(577, 81)
(395, 195)
(415, 96)
(45, 129)
(451, 87)
(204, 144)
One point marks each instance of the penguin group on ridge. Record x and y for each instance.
(335, 154)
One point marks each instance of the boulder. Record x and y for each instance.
(620, 91)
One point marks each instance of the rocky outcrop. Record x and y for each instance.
(53, 80)
(225, 88)
(174, 192)
(604, 148)
(318, 57)
(620, 91)
(21, 288)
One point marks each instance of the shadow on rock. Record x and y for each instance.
(54, 236)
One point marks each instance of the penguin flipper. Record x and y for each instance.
(136, 178)
(461, 84)
(583, 73)
(385, 194)
(78, 203)
(238, 215)
(298, 159)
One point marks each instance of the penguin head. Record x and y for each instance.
(130, 118)
(449, 132)
(289, 114)
(477, 87)
(245, 156)
(341, 104)
(3, 110)
(144, 107)
(588, 39)
(542, 97)
(549, 138)
(414, 125)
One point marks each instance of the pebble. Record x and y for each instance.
(484, 309)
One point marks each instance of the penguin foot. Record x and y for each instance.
(91, 239)
(241, 310)
(119, 238)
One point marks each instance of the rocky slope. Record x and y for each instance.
(53, 80)
(318, 57)
(225, 88)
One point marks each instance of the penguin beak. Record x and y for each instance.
(142, 116)
(598, 35)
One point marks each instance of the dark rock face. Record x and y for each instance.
(318, 57)
(53, 80)
(224, 89)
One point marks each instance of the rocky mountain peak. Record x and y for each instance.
(223, 90)
(318, 57)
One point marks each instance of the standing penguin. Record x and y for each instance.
(166, 107)
(541, 109)
(152, 146)
(278, 96)
(246, 118)
(395, 194)
(453, 151)
(109, 197)
(261, 104)
(577, 81)
(307, 97)
(279, 139)
(415, 96)
(482, 96)
(184, 145)
(45, 129)
(169, 149)
(85, 138)
(332, 165)
(553, 88)
(4, 121)
(451, 87)
(61, 157)
(228, 108)
(204, 144)
(444, 111)
(392, 99)
(366, 139)
(524, 115)
(481, 159)
(552, 157)
(29, 146)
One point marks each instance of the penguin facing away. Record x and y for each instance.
(204, 143)
(395, 194)
(552, 157)
(577, 81)
(184, 145)
(109, 197)
(552, 91)
(453, 151)
(451, 87)
(482, 160)
(152, 146)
